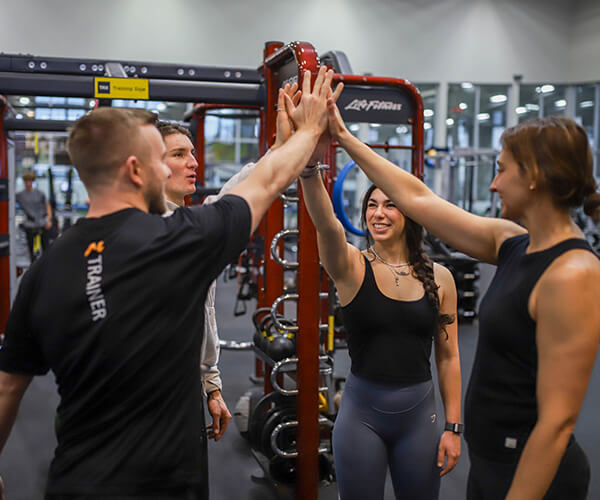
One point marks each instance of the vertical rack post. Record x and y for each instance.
(273, 220)
(287, 65)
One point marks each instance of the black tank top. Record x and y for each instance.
(500, 404)
(388, 340)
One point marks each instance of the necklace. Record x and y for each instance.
(395, 272)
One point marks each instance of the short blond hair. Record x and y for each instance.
(102, 140)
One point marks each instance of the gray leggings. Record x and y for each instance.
(380, 426)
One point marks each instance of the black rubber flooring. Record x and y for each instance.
(234, 472)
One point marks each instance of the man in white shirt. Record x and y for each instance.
(181, 159)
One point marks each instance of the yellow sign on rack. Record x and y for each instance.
(121, 88)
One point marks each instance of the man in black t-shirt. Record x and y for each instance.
(112, 310)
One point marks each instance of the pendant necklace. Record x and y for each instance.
(392, 267)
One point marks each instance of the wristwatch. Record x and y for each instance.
(456, 428)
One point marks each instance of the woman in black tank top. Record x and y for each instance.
(396, 303)
(539, 326)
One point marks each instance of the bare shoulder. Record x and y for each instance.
(447, 288)
(571, 282)
(442, 275)
(574, 268)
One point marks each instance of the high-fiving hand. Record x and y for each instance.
(336, 125)
(291, 114)
(283, 123)
(311, 113)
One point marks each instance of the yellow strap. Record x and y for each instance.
(37, 243)
(330, 333)
(322, 402)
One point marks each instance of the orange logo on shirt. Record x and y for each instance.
(94, 247)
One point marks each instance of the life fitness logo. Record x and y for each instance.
(368, 105)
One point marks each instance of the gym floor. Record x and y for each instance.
(234, 473)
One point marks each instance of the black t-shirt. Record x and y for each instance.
(389, 340)
(115, 310)
(500, 404)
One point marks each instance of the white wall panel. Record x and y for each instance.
(584, 50)
(423, 40)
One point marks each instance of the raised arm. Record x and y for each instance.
(479, 237)
(564, 304)
(277, 170)
(341, 260)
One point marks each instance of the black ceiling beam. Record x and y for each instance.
(97, 67)
(30, 124)
(14, 83)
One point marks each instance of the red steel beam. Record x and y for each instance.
(308, 314)
(271, 285)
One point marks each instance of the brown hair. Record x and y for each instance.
(422, 267)
(170, 128)
(28, 175)
(591, 205)
(556, 151)
(103, 139)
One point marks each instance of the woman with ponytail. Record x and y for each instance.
(539, 321)
(396, 304)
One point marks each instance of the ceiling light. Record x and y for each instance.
(463, 105)
(402, 129)
(92, 103)
(483, 116)
(428, 113)
(561, 103)
(466, 85)
(449, 122)
(547, 88)
(374, 125)
(497, 99)
(161, 106)
(521, 110)
(586, 104)
(532, 107)
(427, 126)
(355, 127)
(24, 100)
(19, 116)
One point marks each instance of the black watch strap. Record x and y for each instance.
(456, 428)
